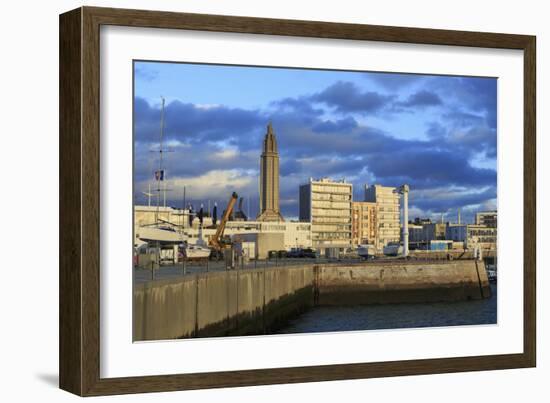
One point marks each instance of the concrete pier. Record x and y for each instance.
(402, 283)
(257, 301)
(221, 303)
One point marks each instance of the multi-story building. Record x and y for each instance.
(363, 223)
(421, 221)
(434, 231)
(327, 205)
(487, 218)
(456, 232)
(473, 235)
(416, 233)
(387, 213)
(481, 235)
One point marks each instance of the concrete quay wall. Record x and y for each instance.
(454, 254)
(258, 301)
(220, 303)
(405, 282)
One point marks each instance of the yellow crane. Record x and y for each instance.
(217, 242)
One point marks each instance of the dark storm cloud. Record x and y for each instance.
(421, 99)
(346, 97)
(323, 166)
(189, 122)
(436, 130)
(429, 168)
(336, 126)
(453, 200)
(306, 136)
(474, 140)
(300, 105)
(392, 81)
(313, 143)
(476, 95)
(463, 119)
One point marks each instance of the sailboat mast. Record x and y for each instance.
(160, 174)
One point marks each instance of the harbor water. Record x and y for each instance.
(395, 316)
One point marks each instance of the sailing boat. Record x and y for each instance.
(161, 231)
(200, 249)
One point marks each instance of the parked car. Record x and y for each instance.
(301, 253)
(277, 254)
(350, 253)
(366, 252)
(294, 253)
(308, 252)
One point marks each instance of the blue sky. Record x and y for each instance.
(436, 133)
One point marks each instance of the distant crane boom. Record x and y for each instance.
(215, 241)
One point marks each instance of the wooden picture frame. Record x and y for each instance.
(79, 346)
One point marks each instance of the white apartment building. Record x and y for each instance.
(363, 220)
(387, 213)
(326, 204)
(487, 218)
(472, 235)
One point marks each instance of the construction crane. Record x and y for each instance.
(216, 242)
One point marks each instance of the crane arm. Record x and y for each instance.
(215, 241)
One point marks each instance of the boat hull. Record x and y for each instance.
(155, 234)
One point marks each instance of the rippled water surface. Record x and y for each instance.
(395, 316)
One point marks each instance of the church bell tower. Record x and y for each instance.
(269, 179)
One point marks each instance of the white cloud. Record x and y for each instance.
(217, 184)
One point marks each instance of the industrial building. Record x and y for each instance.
(473, 235)
(295, 234)
(363, 223)
(487, 218)
(387, 213)
(326, 204)
(434, 231)
(416, 233)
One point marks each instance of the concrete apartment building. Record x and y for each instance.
(387, 213)
(327, 205)
(472, 235)
(363, 223)
(487, 218)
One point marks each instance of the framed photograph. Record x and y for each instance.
(248, 201)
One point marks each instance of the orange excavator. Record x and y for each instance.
(218, 241)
